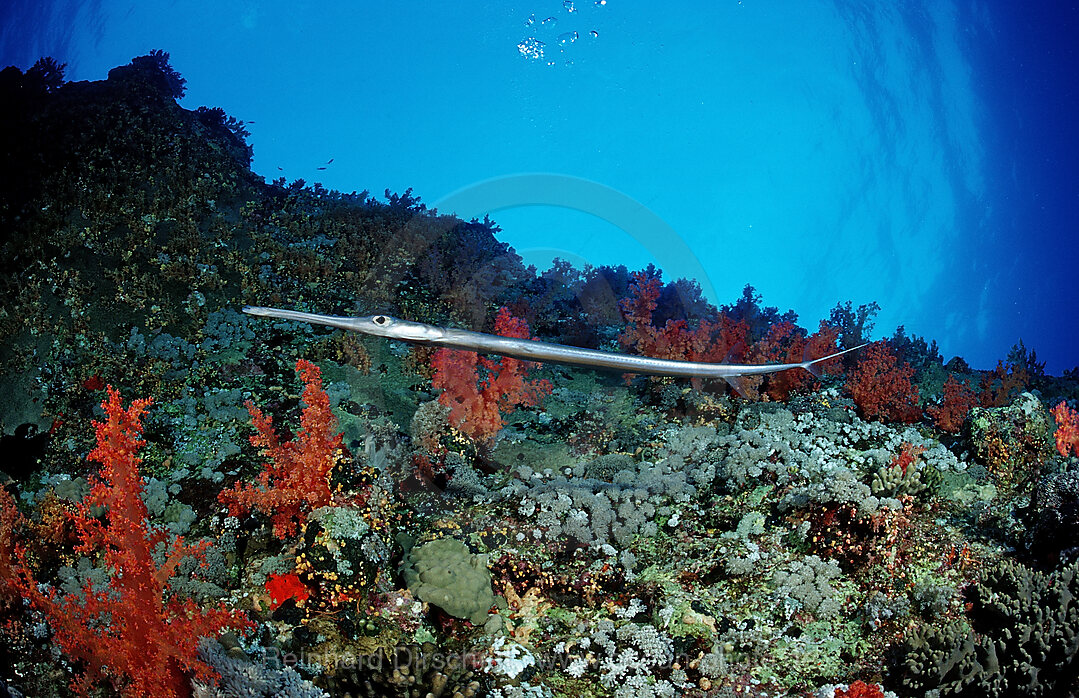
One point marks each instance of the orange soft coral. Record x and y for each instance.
(128, 632)
(882, 387)
(296, 479)
(477, 405)
(1067, 433)
(11, 522)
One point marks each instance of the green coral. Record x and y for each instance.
(893, 481)
(443, 572)
(1023, 638)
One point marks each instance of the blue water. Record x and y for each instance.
(919, 154)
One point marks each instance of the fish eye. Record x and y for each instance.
(381, 320)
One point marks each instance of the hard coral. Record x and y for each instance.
(126, 631)
(476, 405)
(882, 388)
(1021, 640)
(296, 479)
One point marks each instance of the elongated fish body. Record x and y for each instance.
(421, 333)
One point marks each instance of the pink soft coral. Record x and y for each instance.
(477, 405)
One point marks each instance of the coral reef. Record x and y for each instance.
(430, 526)
(1022, 638)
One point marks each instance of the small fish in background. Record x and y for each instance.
(281, 168)
(250, 122)
(330, 161)
(320, 168)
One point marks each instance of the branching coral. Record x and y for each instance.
(296, 479)
(952, 411)
(1067, 433)
(675, 340)
(477, 405)
(881, 386)
(127, 632)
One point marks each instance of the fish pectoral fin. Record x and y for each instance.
(738, 384)
(813, 365)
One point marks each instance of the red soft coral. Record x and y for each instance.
(282, 587)
(296, 478)
(786, 343)
(952, 411)
(860, 689)
(1067, 433)
(127, 631)
(882, 388)
(476, 406)
(708, 342)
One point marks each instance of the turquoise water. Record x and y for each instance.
(917, 155)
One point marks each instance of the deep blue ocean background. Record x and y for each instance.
(923, 155)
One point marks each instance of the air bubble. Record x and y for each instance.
(531, 48)
(568, 4)
(567, 38)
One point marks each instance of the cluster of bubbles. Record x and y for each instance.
(534, 49)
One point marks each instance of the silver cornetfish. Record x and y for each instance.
(532, 350)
